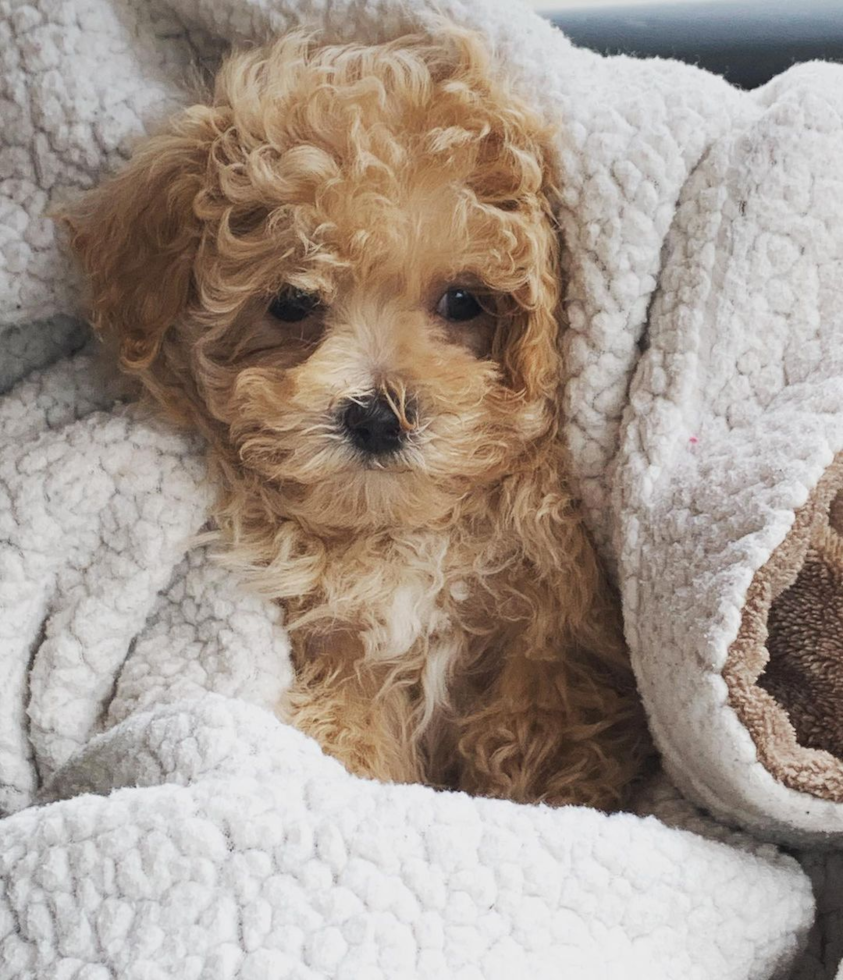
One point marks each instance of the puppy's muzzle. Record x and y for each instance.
(372, 425)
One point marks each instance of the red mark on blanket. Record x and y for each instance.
(693, 440)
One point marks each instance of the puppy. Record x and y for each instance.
(343, 271)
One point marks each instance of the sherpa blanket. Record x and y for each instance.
(160, 822)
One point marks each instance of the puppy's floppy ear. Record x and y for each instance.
(137, 234)
(530, 354)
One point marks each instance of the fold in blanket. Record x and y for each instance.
(238, 849)
(727, 463)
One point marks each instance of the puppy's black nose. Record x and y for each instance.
(373, 426)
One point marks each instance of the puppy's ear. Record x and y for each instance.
(136, 237)
(530, 343)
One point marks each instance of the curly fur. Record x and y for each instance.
(449, 619)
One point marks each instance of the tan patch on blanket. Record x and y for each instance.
(805, 642)
(785, 669)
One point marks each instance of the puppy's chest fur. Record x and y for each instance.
(415, 609)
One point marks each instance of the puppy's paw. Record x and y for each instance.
(531, 755)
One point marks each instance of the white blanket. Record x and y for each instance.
(703, 234)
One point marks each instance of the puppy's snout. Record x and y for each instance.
(373, 425)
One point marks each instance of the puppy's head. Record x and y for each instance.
(343, 271)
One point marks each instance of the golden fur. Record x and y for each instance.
(448, 615)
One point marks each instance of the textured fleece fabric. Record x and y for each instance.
(805, 671)
(704, 400)
(785, 669)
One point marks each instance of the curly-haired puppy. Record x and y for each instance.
(343, 271)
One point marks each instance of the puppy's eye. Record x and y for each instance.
(292, 305)
(458, 305)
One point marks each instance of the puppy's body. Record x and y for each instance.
(435, 654)
(344, 273)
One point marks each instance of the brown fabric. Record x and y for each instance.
(805, 642)
(785, 669)
(835, 514)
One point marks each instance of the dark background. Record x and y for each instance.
(746, 42)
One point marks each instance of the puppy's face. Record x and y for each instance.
(344, 272)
